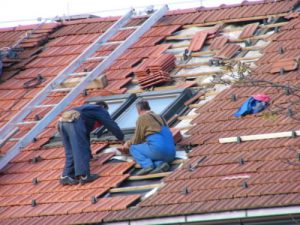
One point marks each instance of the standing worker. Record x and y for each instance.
(152, 145)
(75, 127)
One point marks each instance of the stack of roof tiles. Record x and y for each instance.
(32, 37)
(155, 71)
(216, 177)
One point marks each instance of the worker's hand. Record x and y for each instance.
(125, 145)
(124, 149)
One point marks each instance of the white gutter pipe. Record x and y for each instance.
(214, 217)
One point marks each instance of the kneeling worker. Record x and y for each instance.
(75, 127)
(152, 145)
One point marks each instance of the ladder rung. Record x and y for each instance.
(79, 74)
(113, 42)
(14, 139)
(96, 58)
(27, 122)
(45, 106)
(4, 139)
(135, 188)
(62, 89)
(128, 28)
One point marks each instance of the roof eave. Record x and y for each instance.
(258, 214)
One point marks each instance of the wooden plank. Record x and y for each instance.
(251, 48)
(254, 48)
(191, 65)
(174, 46)
(211, 93)
(193, 106)
(206, 53)
(186, 127)
(259, 137)
(236, 20)
(149, 176)
(187, 117)
(273, 25)
(254, 58)
(198, 74)
(196, 97)
(203, 53)
(179, 37)
(172, 119)
(257, 37)
(164, 88)
(99, 82)
(134, 188)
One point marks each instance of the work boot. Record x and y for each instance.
(88, 178)
(144, 171)
(66, 180)
(164, 167)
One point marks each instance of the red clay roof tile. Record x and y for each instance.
(198, 41)
(228, 51)
(218, 43)
(249, 30)
(285, 65)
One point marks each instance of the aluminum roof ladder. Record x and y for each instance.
(12, 126)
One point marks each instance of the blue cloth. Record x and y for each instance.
(158, 148)
(250, 106)
(92, 113)
(77, 148)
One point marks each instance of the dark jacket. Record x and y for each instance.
(92, 113)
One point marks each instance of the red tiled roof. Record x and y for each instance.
(211, 186)
(269, 167)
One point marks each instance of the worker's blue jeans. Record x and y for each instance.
(158, 148)
(77, 148)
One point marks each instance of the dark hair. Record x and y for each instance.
(143, 105)
(103, 104)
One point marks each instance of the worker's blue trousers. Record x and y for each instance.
(158, 148)
(77, 148)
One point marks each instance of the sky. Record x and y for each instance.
(15, 12)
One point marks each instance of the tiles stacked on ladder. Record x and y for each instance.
(30, 46)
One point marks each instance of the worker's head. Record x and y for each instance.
(142, 106)
(103, 104)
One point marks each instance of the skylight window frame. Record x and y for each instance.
(176, 107)
(126, 99)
